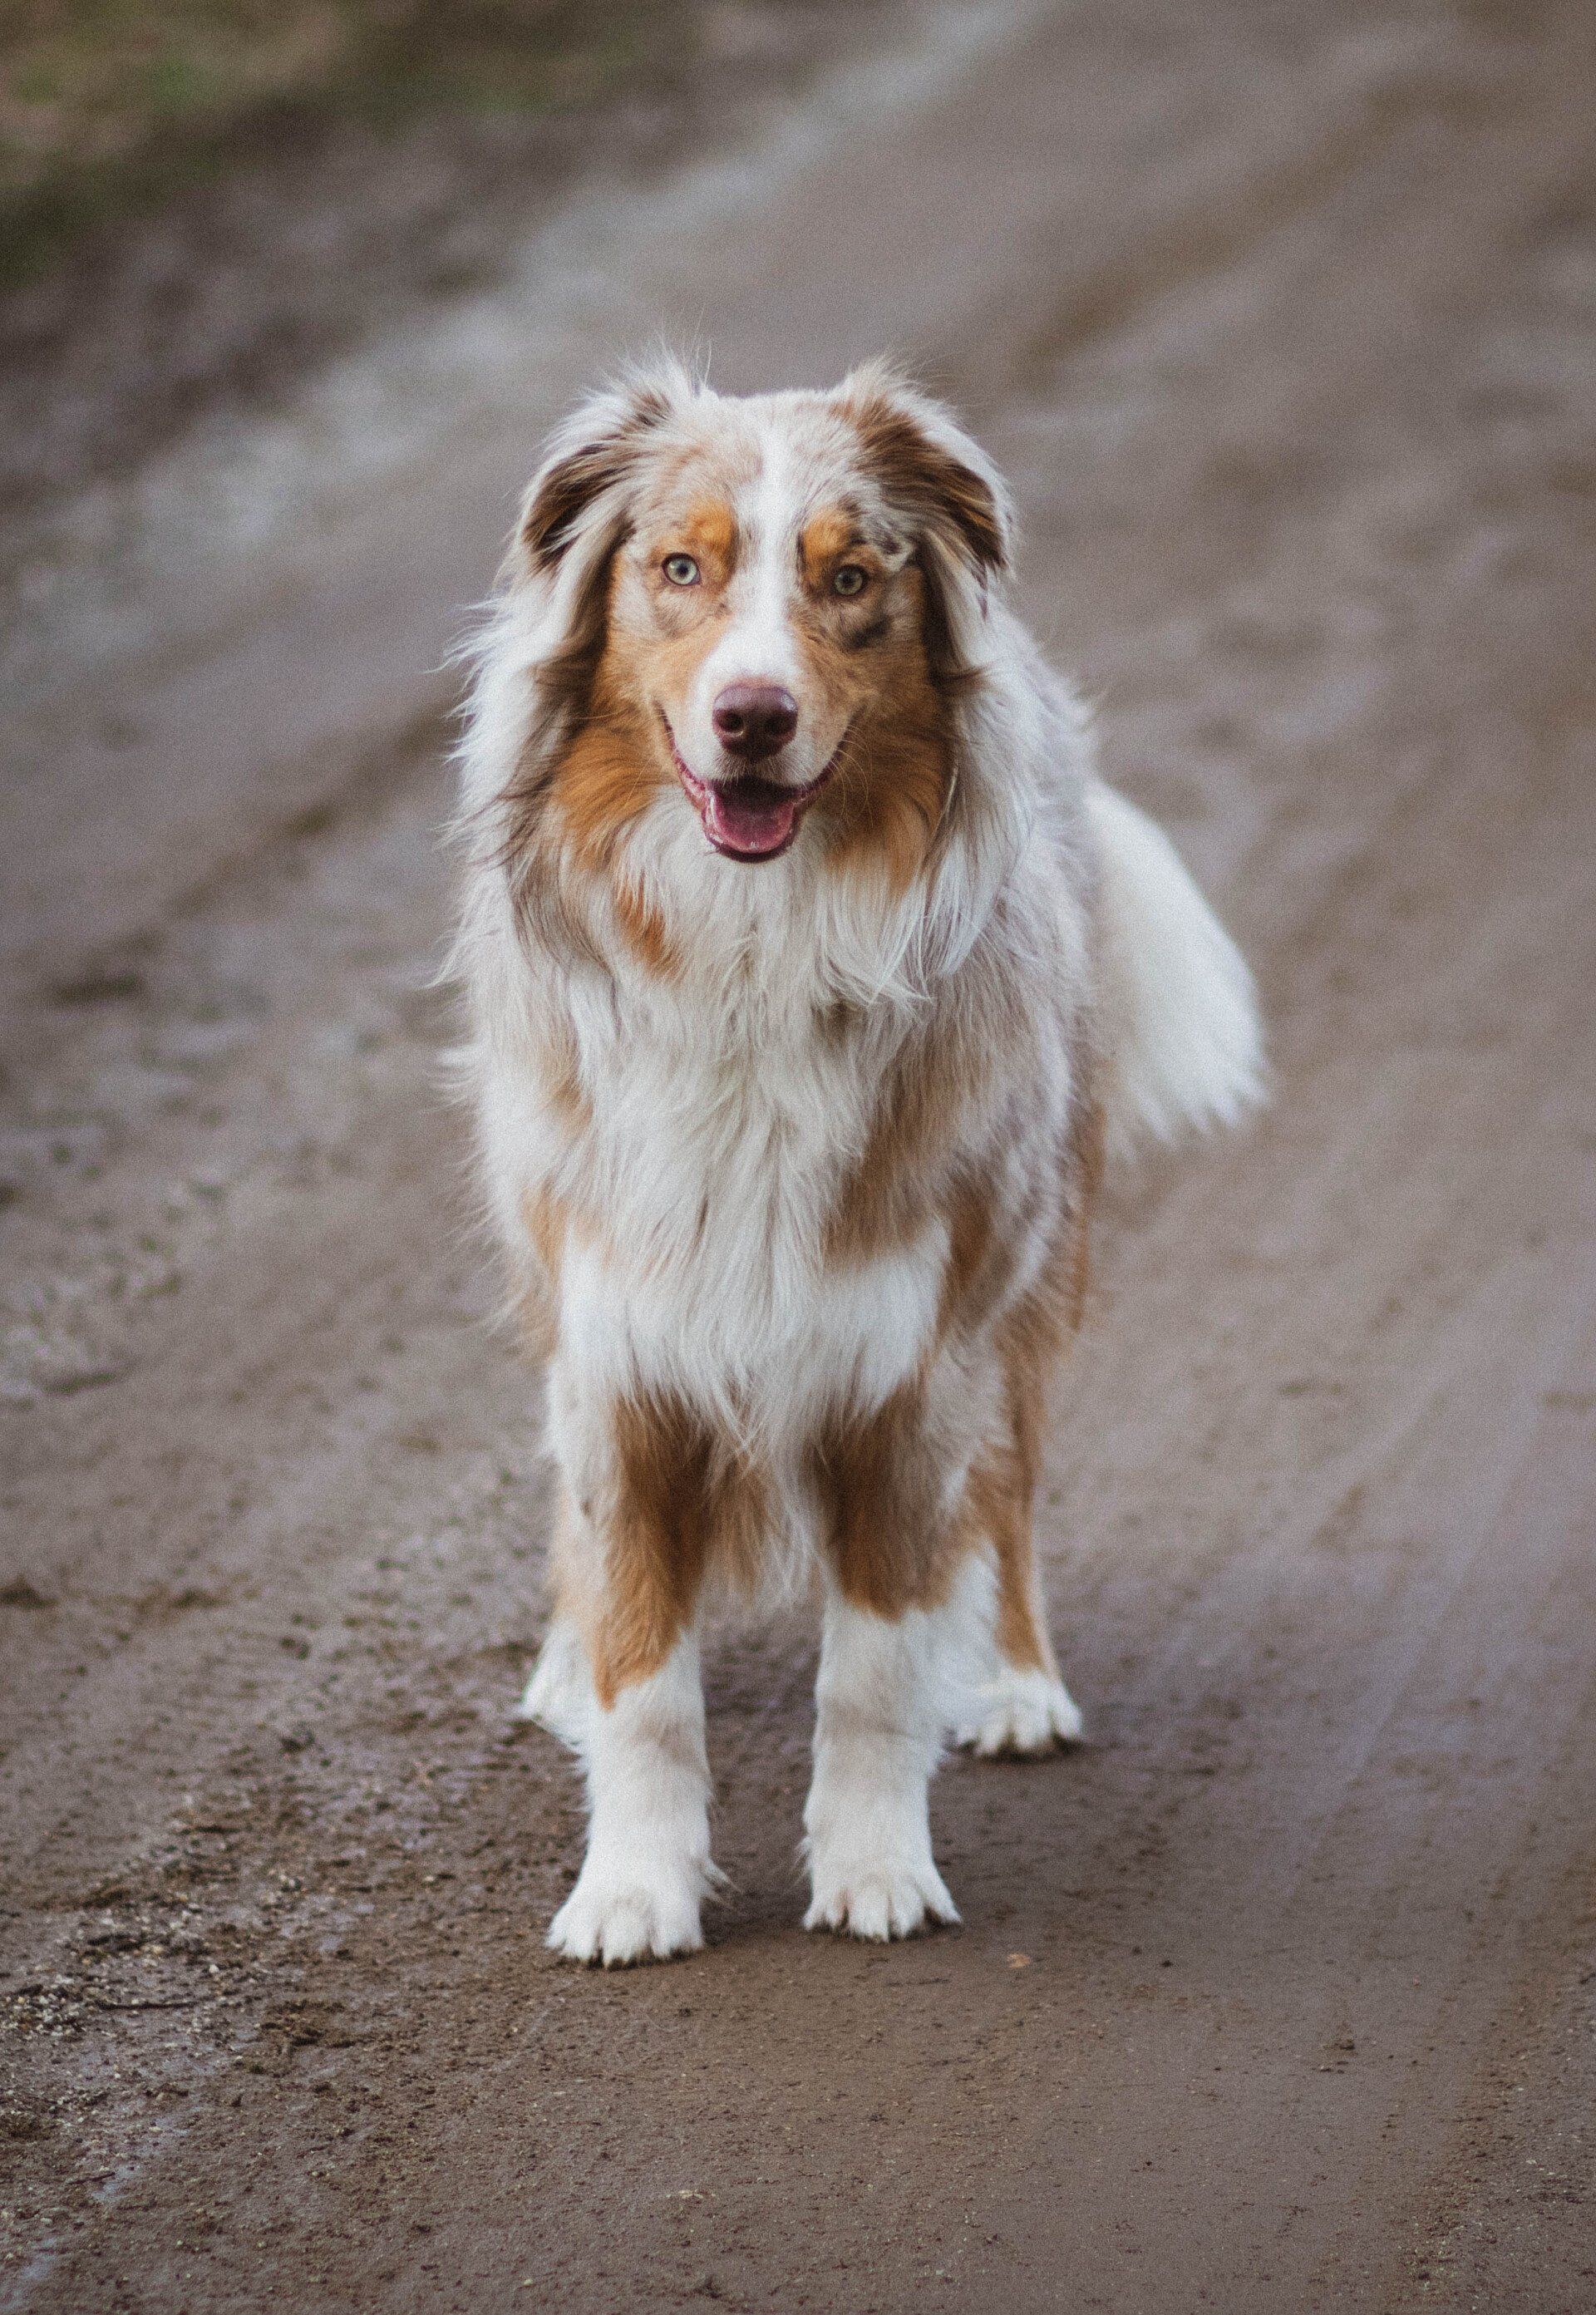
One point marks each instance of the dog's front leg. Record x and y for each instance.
(629, 1696)
(886, 1482)
(877, 1735)
(640, 1894)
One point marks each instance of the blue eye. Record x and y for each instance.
(851, 579)
(681, 570)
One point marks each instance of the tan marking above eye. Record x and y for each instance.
(826, 540)
(707, 531)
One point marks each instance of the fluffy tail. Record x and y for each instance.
(1184, 1044)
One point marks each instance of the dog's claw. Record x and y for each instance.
(881, 1901)
(616, 1922)
(1022, 1713)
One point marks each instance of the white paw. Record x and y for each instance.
(878, 1897)
(1018, 1712)
(617, 1915)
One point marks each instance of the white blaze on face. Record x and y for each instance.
(760, 642)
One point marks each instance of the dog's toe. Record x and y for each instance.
(1019, 1712)
(618, 1921)
(880, 1901)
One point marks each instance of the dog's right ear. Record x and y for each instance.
(576, 503)
(944, 490)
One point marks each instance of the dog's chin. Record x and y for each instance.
(748, 819)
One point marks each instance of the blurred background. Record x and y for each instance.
(1281, 315)
(199, 199)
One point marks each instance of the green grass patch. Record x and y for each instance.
(109, 107)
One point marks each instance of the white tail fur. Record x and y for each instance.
(1185, 1042)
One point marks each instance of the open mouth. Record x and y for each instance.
(749, 818)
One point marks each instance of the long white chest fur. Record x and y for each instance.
(725, 1117)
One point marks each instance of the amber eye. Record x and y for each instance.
(681, 570)
(850, 580)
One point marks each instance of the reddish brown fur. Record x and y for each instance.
(601, 785)
(981, 1261)
(871, 668)
(895, 776)
(829, 540)
(682, 1504)
(544, 1219)
(1031, 1339)
(644, 930)
(927, 480)
(887, 1199)
(1003, 1483)
(708, 532)
(877, 1480)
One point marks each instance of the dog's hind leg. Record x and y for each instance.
(1012, 1700)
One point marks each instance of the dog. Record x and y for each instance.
(813, 976)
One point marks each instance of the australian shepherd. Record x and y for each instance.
(814, 976)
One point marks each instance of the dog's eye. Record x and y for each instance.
(681, 570)
(850, 580)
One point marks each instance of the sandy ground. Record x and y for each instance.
(1280, 1993)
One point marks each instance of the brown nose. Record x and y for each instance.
(753, 720)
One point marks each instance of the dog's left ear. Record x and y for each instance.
(950, 498)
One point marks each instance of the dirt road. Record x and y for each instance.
(1280, 1993)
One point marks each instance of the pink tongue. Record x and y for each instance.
(749, 817)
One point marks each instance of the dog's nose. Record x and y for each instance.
(753, 720)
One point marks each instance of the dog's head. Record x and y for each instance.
(770, 603)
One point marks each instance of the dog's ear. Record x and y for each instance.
(576, 502)
(950, 498)
(574, 516)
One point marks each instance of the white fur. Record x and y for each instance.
(758, 645)
(878, 1730)
(641, 1891)
(992, 1706)
(559, 1696)
(1184, 1035)
(1019, 1711)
